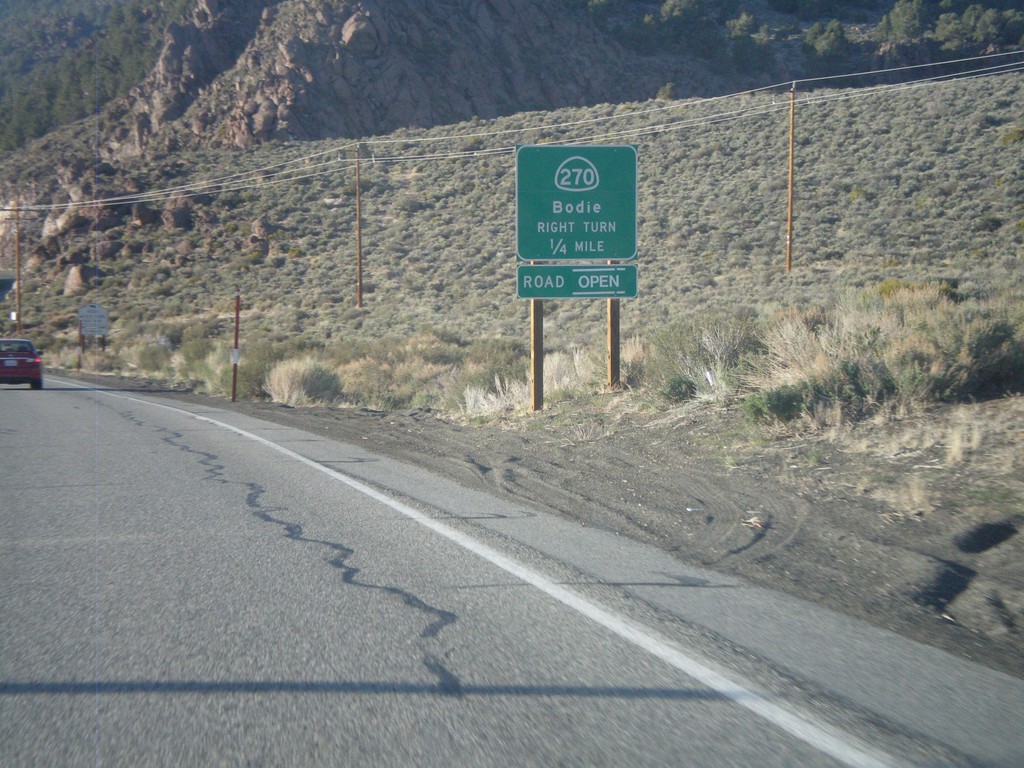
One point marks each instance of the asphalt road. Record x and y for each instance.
(190, 586)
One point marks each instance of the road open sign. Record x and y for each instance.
(576, 281)
(576, 202)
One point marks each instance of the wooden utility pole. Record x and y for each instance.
(96, 242)
(17, 261)
(789, 215)
(359, 239)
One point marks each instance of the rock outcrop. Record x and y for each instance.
(238, 73)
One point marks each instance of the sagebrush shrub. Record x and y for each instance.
(952, 353)
(910, 344)
(710, 352)
(153, 358)
(782, 404)
(366, 382)
(254, 366)
(678, 388)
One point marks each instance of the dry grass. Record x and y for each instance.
(569, 374)
(507, 397)
(701, 358)
(303, 382)
(210, 373)
(910, 497)
(962, 439)
(566, 375)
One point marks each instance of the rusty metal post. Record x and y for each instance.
(234, 353)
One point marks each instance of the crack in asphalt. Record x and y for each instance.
(448, 683)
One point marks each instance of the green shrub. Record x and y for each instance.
(153, 358)
(254, 365)
(210, 374)
(781, 404)
(678, 388)
(195, 351)
(954, 356)
(490, 360)
(710, 353)
(852, 387)
(910, 344)
(1012, 136)
(887, 288)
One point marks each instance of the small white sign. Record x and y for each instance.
(93, 321)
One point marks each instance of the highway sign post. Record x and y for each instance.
(92, 321)
(575, 203)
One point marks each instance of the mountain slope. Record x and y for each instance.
(914, 184)
(234, 73)
(240, 74)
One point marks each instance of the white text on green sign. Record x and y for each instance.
(565, 281)
(576, 202)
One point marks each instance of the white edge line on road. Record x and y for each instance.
(818, 735)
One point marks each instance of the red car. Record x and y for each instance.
(20, 363)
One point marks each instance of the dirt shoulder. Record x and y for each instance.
(913, 525)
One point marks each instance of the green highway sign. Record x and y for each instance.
(567, 281)
(576, 202)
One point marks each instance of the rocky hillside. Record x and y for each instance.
(273, 76)
(238, 73)
(234, 73)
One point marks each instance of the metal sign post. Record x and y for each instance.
(234, 351)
